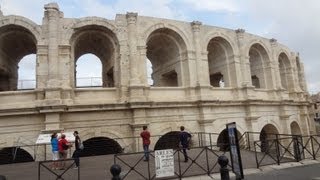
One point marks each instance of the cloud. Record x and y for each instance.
(212, 5)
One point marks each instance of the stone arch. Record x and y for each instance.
(285, 70)
(89, 21)
(103, 43)
(260, 66)
(146, 34)
(267, 134)
(220, 54)
(295, 128)
(100, 146)
(207, 38)
(15, 42)
(26, 23)
(223, 140)
(169, 140)
(166, 51)
(10, 155)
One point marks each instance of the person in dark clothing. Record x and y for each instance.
(145, 135)
(76, 153)
(184, 139)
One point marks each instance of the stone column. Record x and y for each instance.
(244, 60)
(53, 87)
(142, 62)
(196, 41)
(273, 67)
(52, 16)
(132, 41)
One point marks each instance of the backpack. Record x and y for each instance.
(65, 146)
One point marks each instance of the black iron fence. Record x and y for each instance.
(58, 170)
(202, 161)
(286, 149)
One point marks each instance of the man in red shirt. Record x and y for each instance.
(145, 135)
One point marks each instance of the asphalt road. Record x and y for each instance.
(306, 172)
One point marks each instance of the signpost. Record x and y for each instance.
(164, 163)
(235, 150)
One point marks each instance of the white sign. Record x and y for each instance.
(46, 138)
(164, 160)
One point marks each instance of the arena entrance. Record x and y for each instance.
(267, 133)
(100, 146)
(223, 140)
(10, 155)
(168, 141)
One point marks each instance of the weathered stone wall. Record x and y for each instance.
(184, 56)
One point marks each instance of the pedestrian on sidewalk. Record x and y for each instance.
(78, 147)
(184, 139)
(145, 135)
(63, 146)
(55, 150)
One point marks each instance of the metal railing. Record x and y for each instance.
(288, 149)
(46, 170)
(202, 161)
(25, 84)
(89, 81)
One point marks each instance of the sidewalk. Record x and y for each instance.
(287, 170)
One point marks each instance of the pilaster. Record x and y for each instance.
(132, 42)
(244, 59)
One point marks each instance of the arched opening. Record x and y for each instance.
(27, 72)
(100, 146)
(89, 77)
(255, 81)
(259, 60)
(149, 72)
(166, 50)
(284, 69)
(299, 74)
(10, 155)
(267, 134)
(15, 43)
(219, 54)
(297, 140)
(223, 140)
(295, 128)
(168, 141)
(100, 42)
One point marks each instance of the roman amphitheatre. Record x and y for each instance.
(203, 78)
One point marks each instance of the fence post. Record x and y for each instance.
(115, 171)
(313, 154)
(277, 149)
(224, 171)
(248, 139)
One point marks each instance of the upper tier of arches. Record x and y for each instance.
(225, 58)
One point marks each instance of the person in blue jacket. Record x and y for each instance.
(55, 150)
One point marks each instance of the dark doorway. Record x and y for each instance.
(100, 146)
(168, 141)
(223, 140)
(14, 155)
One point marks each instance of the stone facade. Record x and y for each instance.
(264, 83)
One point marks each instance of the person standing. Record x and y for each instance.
(63, 146)
(184, 139)
(76, 153)
(55, 150)
(145, 135)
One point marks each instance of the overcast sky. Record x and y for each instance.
(294, 23)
